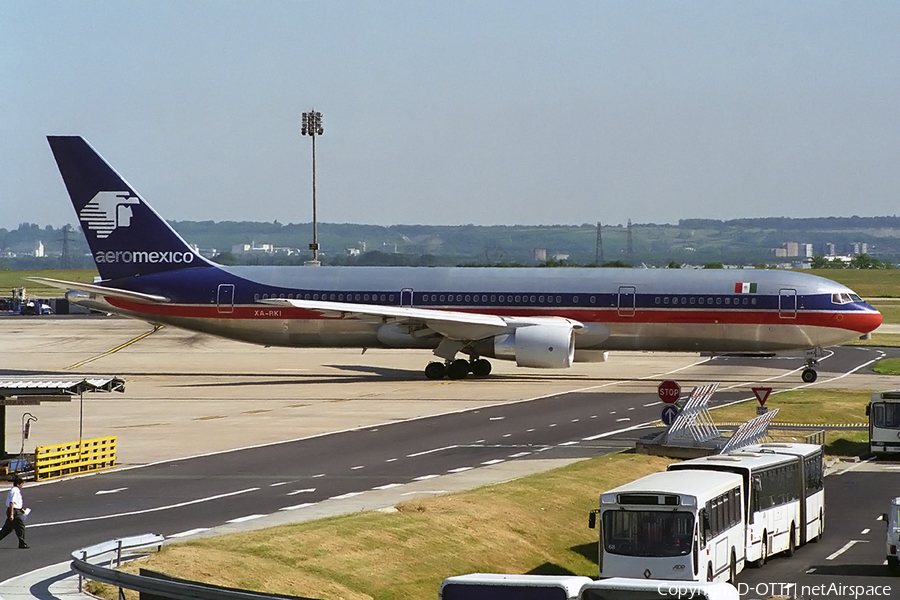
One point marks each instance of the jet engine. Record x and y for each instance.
(550, 346)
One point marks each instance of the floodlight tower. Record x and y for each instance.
(312, 126)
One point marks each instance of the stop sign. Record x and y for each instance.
(669, 391)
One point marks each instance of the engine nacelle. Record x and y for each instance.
(538, 346)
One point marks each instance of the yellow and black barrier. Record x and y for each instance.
(74, 457)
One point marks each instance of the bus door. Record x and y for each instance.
(803, 508)
(787, 303)
(406, 297)
(225, 298)
(626, 300)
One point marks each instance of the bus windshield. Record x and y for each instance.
(886, 414)
(647, 532)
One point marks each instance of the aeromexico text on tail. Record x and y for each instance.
(544, 318)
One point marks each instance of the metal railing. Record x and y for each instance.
(60, 460)
(88, 562)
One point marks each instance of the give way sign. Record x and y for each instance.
(669, 391)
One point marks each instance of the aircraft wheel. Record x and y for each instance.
(809, 375)
(435, 370)
(458, 369)
(481, 367)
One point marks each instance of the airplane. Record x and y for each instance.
(540, 318)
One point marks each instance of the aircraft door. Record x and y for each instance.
(406, 297)
(787, 303)
(626, 300)
(225, 298)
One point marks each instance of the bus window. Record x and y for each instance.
(647, 532)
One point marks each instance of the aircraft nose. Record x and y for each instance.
(863, 322)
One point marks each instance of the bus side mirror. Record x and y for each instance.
(867, 410)
(592, 518)
(884, 517)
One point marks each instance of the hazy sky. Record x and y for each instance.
(458, 112)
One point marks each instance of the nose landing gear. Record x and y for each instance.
(812, 361)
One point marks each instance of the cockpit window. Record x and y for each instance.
(855, 298)
(845, 298)
(835, 298)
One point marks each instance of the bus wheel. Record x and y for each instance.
(792, 544)
(732, 571)
(764, 551)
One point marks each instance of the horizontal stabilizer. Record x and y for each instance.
(100, 290)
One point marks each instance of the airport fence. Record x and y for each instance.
(74, 457)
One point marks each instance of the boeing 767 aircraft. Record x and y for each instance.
(544, 318)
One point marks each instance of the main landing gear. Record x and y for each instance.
(458, 369)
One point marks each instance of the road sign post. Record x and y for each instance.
(669, 391)
(762, 394)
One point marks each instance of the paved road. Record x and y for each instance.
(207, 399)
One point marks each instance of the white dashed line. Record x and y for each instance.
(344, 496)
(497, 418)
(306, 491)
(622, 419)
(425, 477)
(319, 475)
(189, 532)
(846, 547)
(279, 483)
(244, 519)
(460, 469)
(432, 451)
(568, 443)
(387, 486)
(391, 460)
(493, 462)
(357, 468)
(297, 506)
(519, 454)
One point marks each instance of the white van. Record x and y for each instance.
(496, 586)
(622, 588)
(892, 546)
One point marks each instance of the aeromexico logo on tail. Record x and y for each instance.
(108, 211)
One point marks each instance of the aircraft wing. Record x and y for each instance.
(99, 290)
(454, 325)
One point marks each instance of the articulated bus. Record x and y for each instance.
(783, 486)
(674, 526)
(884, 423)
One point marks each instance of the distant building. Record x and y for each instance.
(540, 255)
(39, 250)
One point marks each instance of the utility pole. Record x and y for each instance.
(598, 253)
(312, 126)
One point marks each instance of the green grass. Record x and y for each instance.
(888, 366)
(13, 279)
(869, 283)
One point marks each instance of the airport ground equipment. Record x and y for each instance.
(73, 458)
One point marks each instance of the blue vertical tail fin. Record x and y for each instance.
(126, 236)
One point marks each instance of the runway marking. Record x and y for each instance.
(391, 460)
(846, 547)
(319, 475)
(116, 349)
(519, 454)
(189, 532)
(552, 424)
(279, 483)
(631, 408)
(306, 491)
(568, 443)
(809, 571)
(358, 467)
(144, 511)
(496, 418)
(425, 477)
(575, 420)
(345, 496)
(387, 486)
(529, 430)
(297, 506)
(101, 492)
(493, 462)
(651, 404)
(460, 469)
(247, 518)
(865, 531)
(507, 435)
(623, 419)
(434, 450)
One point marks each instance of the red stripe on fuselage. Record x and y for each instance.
(861, 321)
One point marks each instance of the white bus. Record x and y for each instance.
(620, 588)
(783, 485)
(672, 526)
(497, 586)
(884, 423)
